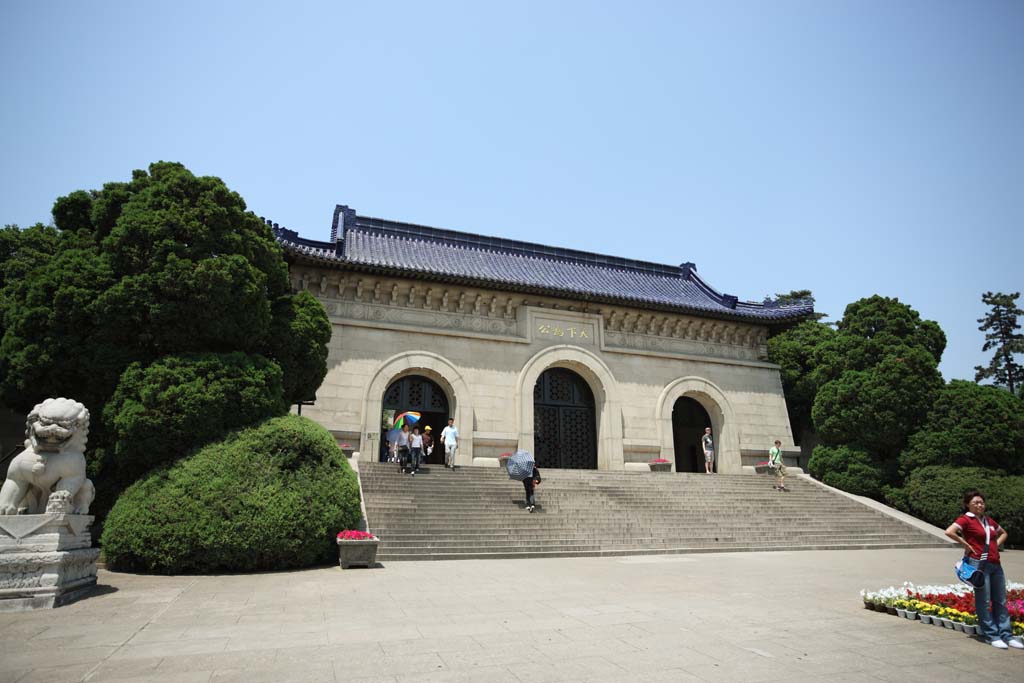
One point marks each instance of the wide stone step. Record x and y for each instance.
(478, 513)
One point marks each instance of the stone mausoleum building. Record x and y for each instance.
(588, 361)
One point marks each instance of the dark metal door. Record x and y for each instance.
(564, 430)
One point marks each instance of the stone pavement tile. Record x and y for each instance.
(214, 661)
(529, 623)
(603, 619)
(157, 677)
(55, 657)
(264, 642)
(581, 668)
(323, 653)
(569, 649)
(85, 636)
(293, 619)
(171, 648)
(600, 632)
(353, 633)
(310, 672)
(1008, 668)
(12, 675)
(56, 674)
(124, 668)
(438, 643)
(349, 667)
(473, 659)
(484, 674)
(927, 673)
(157, 634)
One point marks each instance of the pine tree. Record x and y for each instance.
(1000, 326)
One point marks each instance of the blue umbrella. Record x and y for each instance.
(520, 466)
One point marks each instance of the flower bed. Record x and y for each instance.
(660, 465)
(951, 605)
(357, 548)
(353, 535)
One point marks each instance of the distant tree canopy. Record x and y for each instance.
(1002, 334)
(165, 264)
(793, 350)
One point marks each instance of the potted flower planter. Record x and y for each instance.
(656, 466)
(948, 623)
(911, 615)
(503, 460)
(925, 618)
(901, 613)
(357, 549)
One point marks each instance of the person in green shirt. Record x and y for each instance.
(775, 462)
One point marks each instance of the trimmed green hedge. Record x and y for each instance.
(268, 498)
(933, 493)
(847, 468)
(162, 411)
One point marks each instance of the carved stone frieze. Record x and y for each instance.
(441, 320)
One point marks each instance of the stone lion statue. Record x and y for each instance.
(49, 475)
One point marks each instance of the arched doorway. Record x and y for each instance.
(565, 433)
(689, 420)
(423, 395)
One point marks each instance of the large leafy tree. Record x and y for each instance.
(165, 264)
(1001, 333)
(969, 426)
(878, 377)
(793, 350)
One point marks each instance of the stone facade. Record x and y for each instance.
(486, 349)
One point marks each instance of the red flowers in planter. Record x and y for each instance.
(658, 461)
(353, 535)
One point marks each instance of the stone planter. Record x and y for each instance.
(357, 553)
(970, 629)
(911, 615)
(902, 613)
(660, 466)
(926, 618)
(948, 623)
(762, 469)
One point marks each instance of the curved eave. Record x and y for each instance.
(332, 261)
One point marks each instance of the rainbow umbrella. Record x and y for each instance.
(409, 416)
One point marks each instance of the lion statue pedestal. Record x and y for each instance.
(46, 553)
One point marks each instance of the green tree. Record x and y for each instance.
(796, 296)
(877, 377)
(969, 426)
(165, 264)
(793, 350)
(1000, 327)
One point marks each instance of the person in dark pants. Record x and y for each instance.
(529, 484)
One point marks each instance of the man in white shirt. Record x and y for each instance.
(450, 439)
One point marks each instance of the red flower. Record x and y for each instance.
(353, 535)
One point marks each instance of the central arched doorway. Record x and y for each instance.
(423, 395)
(689, 420)
(565, 434)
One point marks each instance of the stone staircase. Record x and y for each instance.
(477, 512)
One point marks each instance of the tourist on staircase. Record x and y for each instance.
(708, 445)
(450, 439)
(415, 450)
(776, 465)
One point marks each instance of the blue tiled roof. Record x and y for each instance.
(447, 255)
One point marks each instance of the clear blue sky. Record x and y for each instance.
(850, 148)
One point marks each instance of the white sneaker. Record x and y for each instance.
(1016, 644)
(998, 644)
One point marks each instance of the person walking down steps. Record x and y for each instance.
(777, 466)
(450, 439)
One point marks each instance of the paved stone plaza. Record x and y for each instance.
(710, 617)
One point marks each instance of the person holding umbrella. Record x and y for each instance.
(522, 467)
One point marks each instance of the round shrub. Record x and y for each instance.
(849, 469)
(933, 493)
(269, 497)
(162, 411)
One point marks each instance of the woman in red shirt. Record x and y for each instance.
(971, 530)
